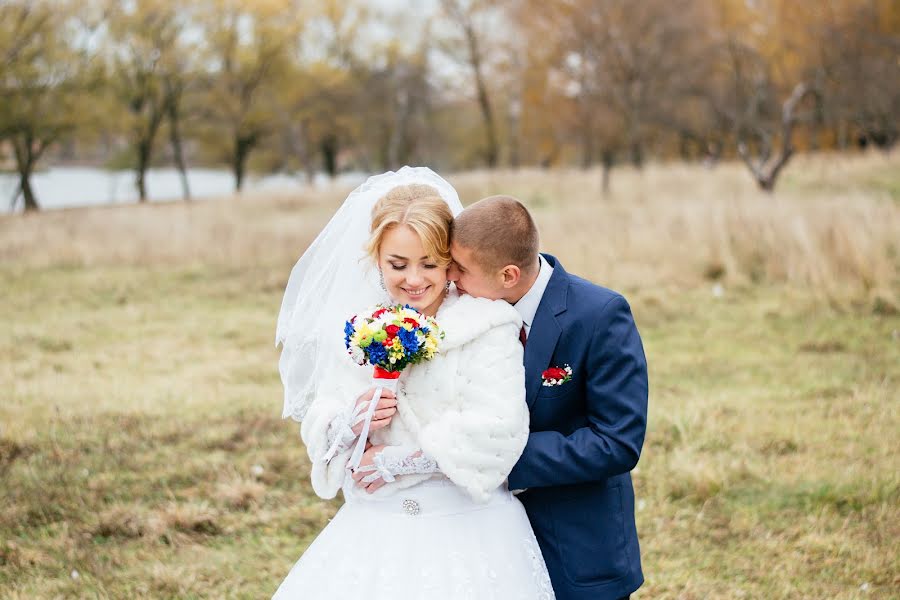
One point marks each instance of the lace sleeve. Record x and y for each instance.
(394, 461)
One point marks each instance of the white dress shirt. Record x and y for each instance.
(528, 304)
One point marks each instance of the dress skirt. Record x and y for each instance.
(430, 541)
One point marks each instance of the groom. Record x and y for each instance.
(588, 418)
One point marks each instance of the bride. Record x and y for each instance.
(427, 512)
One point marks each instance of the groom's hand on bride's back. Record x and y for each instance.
(384, 411)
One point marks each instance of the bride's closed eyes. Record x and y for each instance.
(397, 267)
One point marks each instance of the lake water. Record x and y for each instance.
(61, 187)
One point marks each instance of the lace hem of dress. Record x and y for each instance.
(539, 569)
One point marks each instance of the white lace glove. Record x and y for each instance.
(399, 460)
(340, 431)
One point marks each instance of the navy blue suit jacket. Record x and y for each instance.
(586, 437)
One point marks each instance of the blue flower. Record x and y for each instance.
(377, 353)
(348, 332)
(409, 341)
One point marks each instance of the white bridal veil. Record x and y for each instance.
(332, 281)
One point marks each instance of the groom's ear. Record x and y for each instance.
(510, 276)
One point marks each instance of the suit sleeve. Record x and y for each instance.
(616, 405)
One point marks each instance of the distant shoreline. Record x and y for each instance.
(60, 187)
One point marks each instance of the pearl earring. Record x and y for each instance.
(381, 279)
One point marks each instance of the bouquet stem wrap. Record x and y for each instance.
(382, 380)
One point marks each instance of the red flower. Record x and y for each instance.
(412, 322)
(391, 330)
(554, 373)
(379, 312)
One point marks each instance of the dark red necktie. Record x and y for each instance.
(522, 337)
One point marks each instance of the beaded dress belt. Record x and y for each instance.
(432, 501)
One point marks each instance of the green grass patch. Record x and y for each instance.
(141, 443)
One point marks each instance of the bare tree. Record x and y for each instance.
(767, 166)
(249, 47)
(180, 77)
(42, 84)
(144, 43)
(465, 16)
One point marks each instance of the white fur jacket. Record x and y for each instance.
(465, 408)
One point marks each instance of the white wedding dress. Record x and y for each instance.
(445, 526)
(452, 548)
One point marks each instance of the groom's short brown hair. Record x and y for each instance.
(500, 231)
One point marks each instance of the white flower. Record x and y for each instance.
(75, 574)
(357, 354)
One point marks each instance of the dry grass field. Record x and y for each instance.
(142, 454)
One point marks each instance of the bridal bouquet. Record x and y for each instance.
(389, 338)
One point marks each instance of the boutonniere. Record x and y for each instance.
(557, 376)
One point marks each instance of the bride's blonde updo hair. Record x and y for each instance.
(421, 208)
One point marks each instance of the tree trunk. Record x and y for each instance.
(243, 145)
(464, 20)
(175, 140)
(31, 204)
(329, 147)
(239, 165)
(492, 152)
(26, 158)
(608, 160)
(144, 146)
(142, 164)
(635, 143)
(766, 168)
(397, 133)
(515, 113)
(306, 156)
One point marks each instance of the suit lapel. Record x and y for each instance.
(545, 330)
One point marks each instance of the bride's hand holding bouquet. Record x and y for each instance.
(389, 338)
